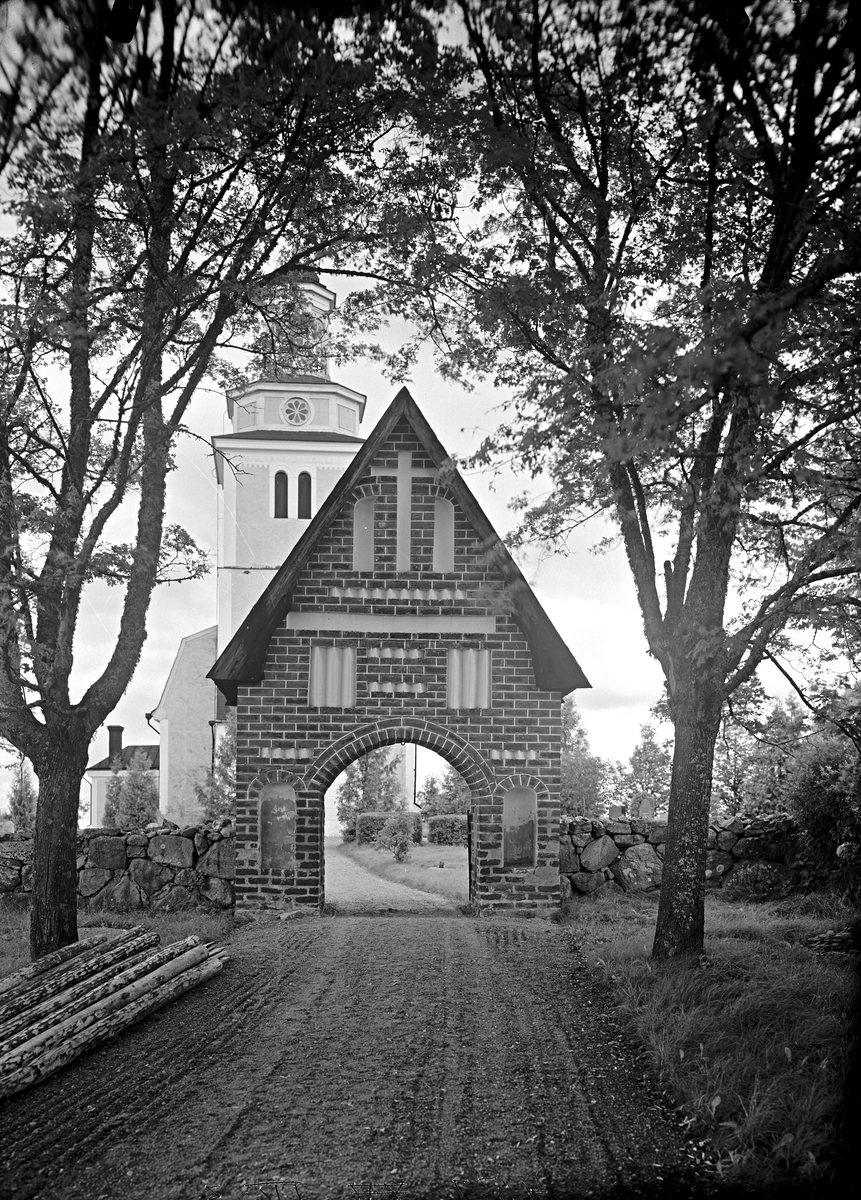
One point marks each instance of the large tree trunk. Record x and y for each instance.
(680, 925)
(54, 915)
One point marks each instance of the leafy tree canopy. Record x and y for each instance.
(370, 784)
(132, 796)
(643, 219)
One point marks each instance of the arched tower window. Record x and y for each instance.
(363, 535)
(443, 535)
(304, 504)
(281, 494)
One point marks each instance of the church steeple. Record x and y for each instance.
(292, 435)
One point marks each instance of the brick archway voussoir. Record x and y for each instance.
(445, 742)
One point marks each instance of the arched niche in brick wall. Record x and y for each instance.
(276, 815)
(519, 827)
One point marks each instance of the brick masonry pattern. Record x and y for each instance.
(276, 722)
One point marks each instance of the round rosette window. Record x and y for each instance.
(296, 411)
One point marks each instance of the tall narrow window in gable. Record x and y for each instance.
(333, 677)
(468, 681)
(304, 505)
(363, 535)
(443, 535)
(281, 494)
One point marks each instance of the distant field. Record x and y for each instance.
(421, 870)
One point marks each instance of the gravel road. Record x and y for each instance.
(426, 1056)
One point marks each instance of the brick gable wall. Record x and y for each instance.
(513, 744)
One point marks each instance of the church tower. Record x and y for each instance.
(290, 437)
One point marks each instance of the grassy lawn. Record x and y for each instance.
(171, 927)
(753, 1040)
(422, 869)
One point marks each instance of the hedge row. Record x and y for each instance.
(369, 824)
(449, 830)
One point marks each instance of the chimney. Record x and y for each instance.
(115, 741)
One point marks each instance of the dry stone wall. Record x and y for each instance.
(163, 867)
(760, 855)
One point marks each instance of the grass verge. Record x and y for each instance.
(421, 871)
(753, 1040)
(171, 927)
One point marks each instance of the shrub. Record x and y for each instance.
(397, 834)
(448, 830)
(369, 824)
(826, 802)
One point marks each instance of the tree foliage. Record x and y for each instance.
(644, 221)
(159, 200)
(132, 794)
(22, 799)
(370, 784)
(217, 794)
(397, 835)
(583, 774)
(439, 797)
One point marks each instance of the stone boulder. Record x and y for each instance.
(109, 853)
(734, 825)
(718, 862)
(628, 839)
(10, 876)
(726, 839)
(608, 887)
(598, 854)
(123, 893)
(168, 848)
(618, 827)
(587, 881)
(757, 848)
(219, 860)
(568, 860)
(639, 869)
(92, 880)
(565, 889)
(174, 899)
(657, 832)
(220, 891)
(149, 876)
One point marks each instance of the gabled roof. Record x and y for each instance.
(153, 754)
(242, 660)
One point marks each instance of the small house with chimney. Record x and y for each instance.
(99, 774)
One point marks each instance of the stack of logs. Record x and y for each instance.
(68, 1002)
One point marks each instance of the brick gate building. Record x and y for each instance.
(398, 617)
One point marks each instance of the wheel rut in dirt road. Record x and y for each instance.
(339, 1056)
